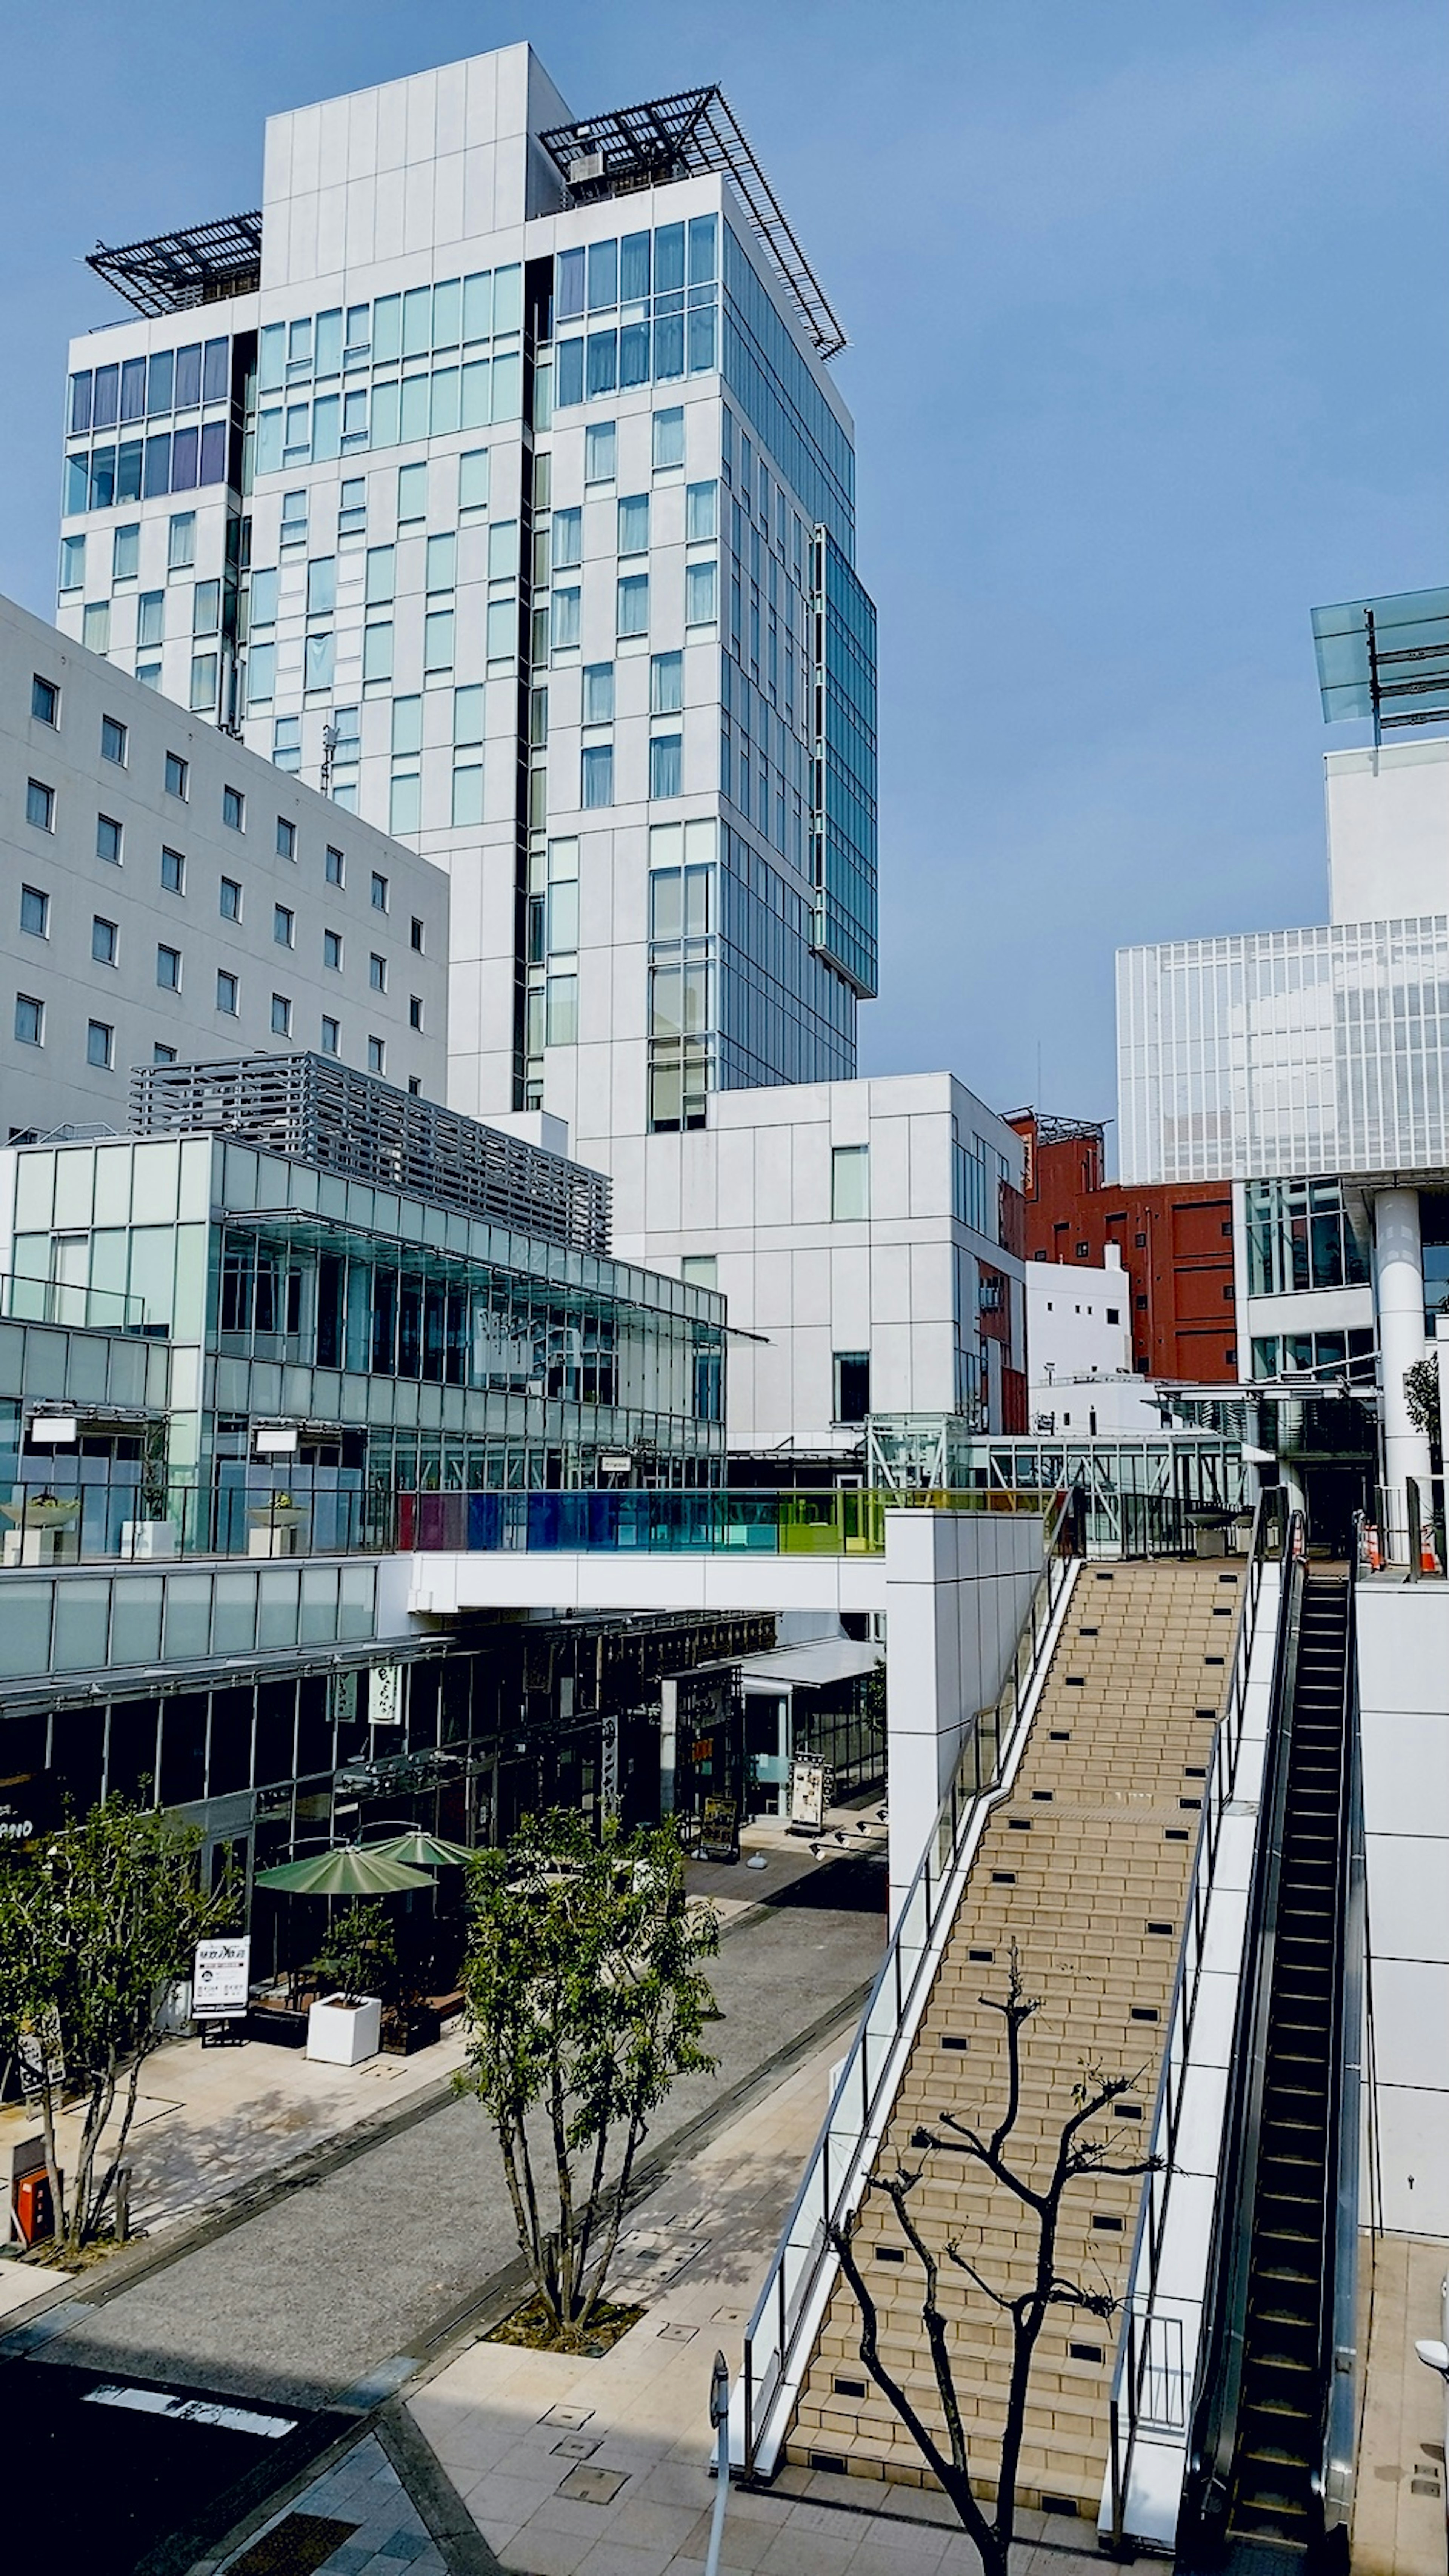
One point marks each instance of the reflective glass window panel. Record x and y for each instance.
(128, 470)
(703, 249)
(602, 373)
(327, 347)
(386, 328)
(668, 347)
(447, 312)
(156, 474)
(212, 467)
(133, 389)
(151, 617)
(633, 268)
(108, 397)
(271, 358)
(417, 321)
(161, 381)
(507, 299)
(215, 371)
(634, 524)
(188, 375)
(126, 552)
(568, 378)
(669, 259)
(603, 276)
(185, 456)
(80, 403)
(478, 305)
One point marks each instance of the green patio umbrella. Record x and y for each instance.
(420, 1850)
(348, 1872)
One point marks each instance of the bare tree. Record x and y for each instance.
(1076, 2155)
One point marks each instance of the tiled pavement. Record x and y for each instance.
(362, 2499)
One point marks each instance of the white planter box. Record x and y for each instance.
(342, 2034)
(148, 1539)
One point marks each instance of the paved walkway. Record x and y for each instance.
(601, 2468)
(1398, 2521)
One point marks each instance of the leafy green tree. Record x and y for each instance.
(360, 1954)
(94, 1928)
(1421, 1398)
(1036, 2184)
(585, 2000)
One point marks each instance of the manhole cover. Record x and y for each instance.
(593, 2486)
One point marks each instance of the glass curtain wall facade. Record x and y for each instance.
(527, 532)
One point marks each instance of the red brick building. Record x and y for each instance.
(1175, 1239)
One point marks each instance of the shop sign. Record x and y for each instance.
(220, 1979)
(809, 1791)
(384, 1694)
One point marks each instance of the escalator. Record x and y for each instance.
(1266, 2477)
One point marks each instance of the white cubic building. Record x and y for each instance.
(1079, 1351)
(171, 898)
(1311, 1067)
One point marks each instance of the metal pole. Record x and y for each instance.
(719, 2416)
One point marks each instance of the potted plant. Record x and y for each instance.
(42, 1521)
(275, 1526)
(360, 1956)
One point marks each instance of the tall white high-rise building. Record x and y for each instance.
(492, 477)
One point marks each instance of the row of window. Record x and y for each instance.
(101, 1036)
(105, 936)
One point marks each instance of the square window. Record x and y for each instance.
(108, 840)
(100, 1045)
(231, 899)
(332, 950)
(598, 693)
(666, 684)
(233, 809)
(113, 741)
(415, 1085)
(415, 936)
(103, 941)
(35, 912)
(226, 993)
(415, 1010)
(286, 838)
(284, 926)
(281, 1016)
(376, 1056)
(379, 892)
(40, 805)
(168, 969)
(44, 701)
(163, 1055)
(173, 872)
(331, 1036)
(377, 972)
(177, 775)
(335, 866)
(29, 1020)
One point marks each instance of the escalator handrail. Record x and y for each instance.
(1218, 2380)
(1338, 2328)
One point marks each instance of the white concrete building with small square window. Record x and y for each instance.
(172, 897)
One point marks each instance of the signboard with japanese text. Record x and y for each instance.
(221, 1977)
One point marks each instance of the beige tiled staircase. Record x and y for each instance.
(1086, 1867)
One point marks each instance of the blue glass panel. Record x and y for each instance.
(634, 354)
(103, 477)
(507, 299)
(476, 411)
(133, 389)
(568, 375)
(603, 276)
(216, 371)
(80, 404)
(507, 388)
(354, 417)
(633, 267)
(447, 313)
(157, 476)
(385, 415)
(703, 340)
(213, 451)
(387, 328)
(327, 347)
(478, 305)
(298, 436)
(603, 365)
(668, 258)
(568, 286)
(326, 428)
(703, 249)
(669, 345)
(128, 470)
(77, 485)
(415, 407)
(445, 413)
(417, 325)
(160, 382)
(188, 375)
(271, 359)
(185, 444)
(485, 1520)
(108, 397)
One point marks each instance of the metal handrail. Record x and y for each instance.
(1339, 2338)
(1138, 2366)
(1218, 2377)
(784, 2315)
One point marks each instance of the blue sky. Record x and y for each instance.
(1148, 357)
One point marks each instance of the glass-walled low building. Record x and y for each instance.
(331, 1343)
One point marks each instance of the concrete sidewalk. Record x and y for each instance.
(601, 2468)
